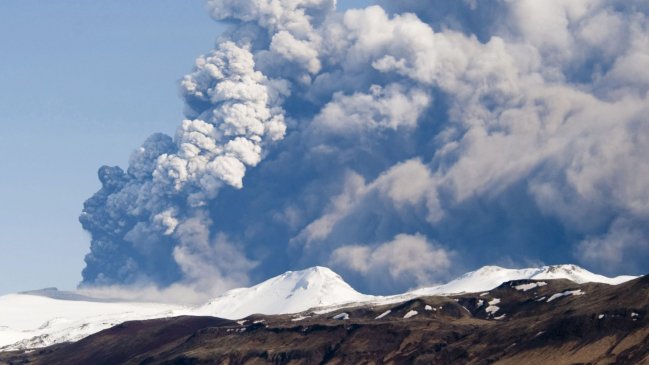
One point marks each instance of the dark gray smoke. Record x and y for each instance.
(398, 146)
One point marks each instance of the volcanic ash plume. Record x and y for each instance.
(400, 144)
(151, 222)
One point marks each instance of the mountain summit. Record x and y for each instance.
(519, 322)
(489, 277)
(45, 317)
(291, 292)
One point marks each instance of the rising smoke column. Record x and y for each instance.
(150, 223)
(462, 132)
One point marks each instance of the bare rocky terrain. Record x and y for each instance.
(520, 322)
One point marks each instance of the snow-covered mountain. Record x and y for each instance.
(46, 317)
(35, 320)
(489, 277)
(291, 292)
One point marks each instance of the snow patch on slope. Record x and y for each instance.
(410, 314)
(530, 286)
(493, 308)
(565, 294)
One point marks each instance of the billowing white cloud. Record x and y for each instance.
(499, 129)
(409, 258)
(236, 113)
(391, 107)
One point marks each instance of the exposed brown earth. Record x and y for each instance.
(605, 325)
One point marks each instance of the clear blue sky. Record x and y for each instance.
(82, 83)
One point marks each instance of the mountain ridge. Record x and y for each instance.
(316, 288)
(550, 321)
(489, 277)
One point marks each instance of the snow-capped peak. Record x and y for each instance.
(45, 317)
(578, 275)
(489, 277)
(291, 292)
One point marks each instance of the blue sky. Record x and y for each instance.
(82, 84)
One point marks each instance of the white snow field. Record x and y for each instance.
(43, 318)
(30, 321)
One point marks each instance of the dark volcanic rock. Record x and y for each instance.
(587, 324)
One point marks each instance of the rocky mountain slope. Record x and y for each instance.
(68, 317)
(549, 321)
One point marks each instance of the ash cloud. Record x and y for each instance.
(464, 131)
(151, 223)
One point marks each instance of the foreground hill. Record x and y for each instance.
(554, 321)
(46, 317)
